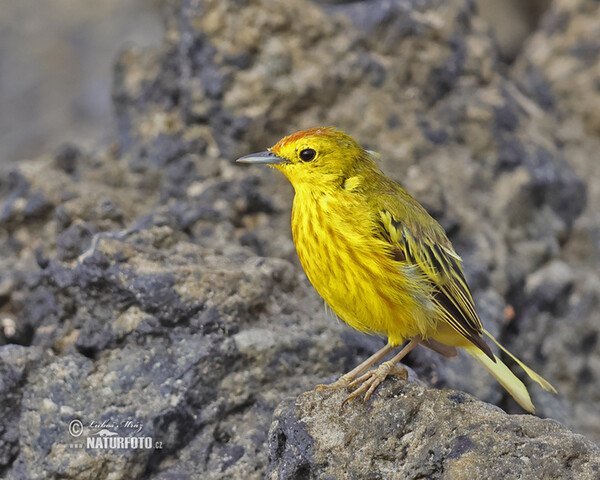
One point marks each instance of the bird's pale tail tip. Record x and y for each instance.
(545, 384)
(506, 378)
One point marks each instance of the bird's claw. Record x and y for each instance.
(372, 379)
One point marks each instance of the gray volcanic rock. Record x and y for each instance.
(171, 335)
(156, 282)
(410, 431)
(559, 68)
(15, 364)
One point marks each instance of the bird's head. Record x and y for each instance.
(318, 156)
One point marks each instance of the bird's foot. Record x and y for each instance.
(372, 379)
(342, 382)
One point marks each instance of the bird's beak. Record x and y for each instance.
(263, 157)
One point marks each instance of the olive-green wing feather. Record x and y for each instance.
(428, 248)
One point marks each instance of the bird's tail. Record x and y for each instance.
(507, 379)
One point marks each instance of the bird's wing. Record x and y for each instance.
(429, 249)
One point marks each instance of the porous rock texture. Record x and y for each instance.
(411, 431)
(155, 281)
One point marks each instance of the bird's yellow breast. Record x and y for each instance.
(353, 269)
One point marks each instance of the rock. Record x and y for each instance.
(67, 157)
(399, 435)
(177, 333)
(560, 303)
(16, 363)
(73, 241)
(563, 55)
(550, 286)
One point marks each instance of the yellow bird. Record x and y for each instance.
(380, 261)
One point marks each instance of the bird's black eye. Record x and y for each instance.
(307, 154)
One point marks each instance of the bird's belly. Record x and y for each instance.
(363, 287)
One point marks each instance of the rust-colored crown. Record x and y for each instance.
(315, 131)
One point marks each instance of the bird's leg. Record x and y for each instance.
(346, 379)
(371, 380)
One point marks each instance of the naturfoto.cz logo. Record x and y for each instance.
(107, 435)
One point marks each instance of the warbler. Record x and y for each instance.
(379, 260)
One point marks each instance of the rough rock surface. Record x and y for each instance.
(411, 431)
(156, 282)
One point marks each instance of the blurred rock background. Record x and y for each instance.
(150, 278)
(56, 60)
